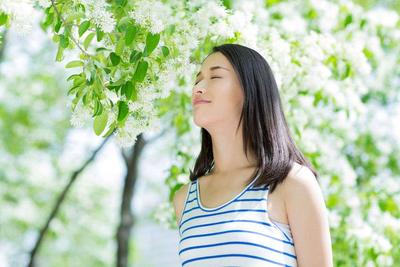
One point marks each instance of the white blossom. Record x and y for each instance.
(153, 14)
(385, 260)
(21, 13)
(80, 115)
(134, 125)
(382, 16)
(44, 3)
(97, 11)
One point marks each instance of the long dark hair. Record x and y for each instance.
(265, 130)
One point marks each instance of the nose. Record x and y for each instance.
(198, 90)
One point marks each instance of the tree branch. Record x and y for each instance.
(62, 19)
(60, 200)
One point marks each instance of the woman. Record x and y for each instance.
(253, 199)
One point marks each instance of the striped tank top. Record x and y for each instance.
(236, 233)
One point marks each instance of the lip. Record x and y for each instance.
(201, 102)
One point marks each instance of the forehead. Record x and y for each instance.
(213, 62)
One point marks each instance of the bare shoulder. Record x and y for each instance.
(179, 200)
(307, 213)
(301, 185)
(300, 180)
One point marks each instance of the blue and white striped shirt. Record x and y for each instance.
(236, 233)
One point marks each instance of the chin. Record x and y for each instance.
(200, 122)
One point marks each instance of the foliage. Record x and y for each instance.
(335, 65)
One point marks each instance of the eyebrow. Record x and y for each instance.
(213, 68)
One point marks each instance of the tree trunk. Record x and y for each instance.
(126, 216)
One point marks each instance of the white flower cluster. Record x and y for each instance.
(167, 79)
(80, 115)
(162, 214)
(96, 10)
(383, 219)
(21, 13)
(362, 231)
(383, 17)
(44, 3)
(210, 10)
(249, 20)
(135, 124)
(153, 15)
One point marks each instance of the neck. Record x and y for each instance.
(228, 151)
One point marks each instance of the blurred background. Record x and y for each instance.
(44, 148)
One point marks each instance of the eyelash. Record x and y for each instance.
(211, 78)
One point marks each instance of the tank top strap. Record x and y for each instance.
(190, 200)
(191, 193)
(192, 186)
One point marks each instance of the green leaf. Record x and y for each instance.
(88, 40)
(97, 86)
(73, 89)
(130, 34)
(78, 96)
(181, 124)
(48, 21)
(56, 38)
(74, 64)
(92, 77)
(135, 55)
(98, 49)
(60, 53)
(3, 18)
(127, 89)
(73, 16)
(98, 108)
(347, 71)
(110, 129)
(368, 53)
(115, 59)
(348, 20)
(121, 2)
(151, 43)
(133, 96)
(57, 26)
(85, 99)
(64, 40)
(119, 48)
(165, 50)
(141, 71)
(114, 88)
(99, 34)
(100, 123)
(83, 27)
(79, 80)
(73, 76)
(123, 110)
(118, 83)
(75, 101)
(227, 4)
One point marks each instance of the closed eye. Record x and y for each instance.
(211, 78)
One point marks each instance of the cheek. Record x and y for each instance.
(229, 99)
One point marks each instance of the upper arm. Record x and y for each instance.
(179, 201)
(307, 215)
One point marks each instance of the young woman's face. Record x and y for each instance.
(221, 87)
